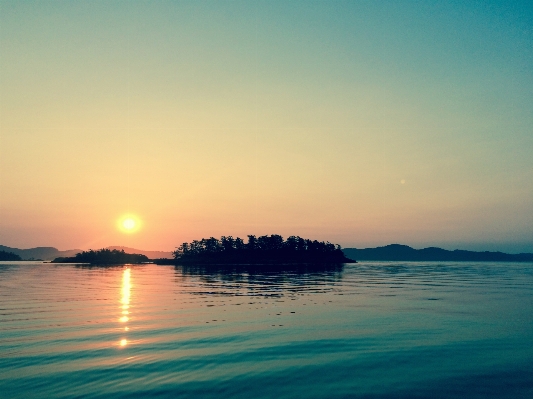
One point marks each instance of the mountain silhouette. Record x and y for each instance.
(50, 253)
(43, 253)
(397, 252)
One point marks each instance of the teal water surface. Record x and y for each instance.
(366, 330)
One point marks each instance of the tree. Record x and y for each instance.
(9, 256)
(269, 249)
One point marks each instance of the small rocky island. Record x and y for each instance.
(104, 257)
(266, 249)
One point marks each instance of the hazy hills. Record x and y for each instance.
(150, 254)
(44, 253)
(50, 253)
(393, 252)
(397, 252)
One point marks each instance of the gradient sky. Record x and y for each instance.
(360, 122)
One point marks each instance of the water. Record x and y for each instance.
(367, 330)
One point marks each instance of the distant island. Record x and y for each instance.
(9, 256)
(397, 252)
(149, 254)
(258, 250)
(50, 253)
(103, 257)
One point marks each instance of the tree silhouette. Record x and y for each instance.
(263, 249)
(104, 257)
(9, 256)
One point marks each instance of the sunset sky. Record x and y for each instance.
(362, 123)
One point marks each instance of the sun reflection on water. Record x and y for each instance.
(125, 301)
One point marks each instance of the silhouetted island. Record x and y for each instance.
(397, 252)
(9, 256)
(258, 250)
(104, 257)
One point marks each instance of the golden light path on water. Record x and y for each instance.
(125, 302)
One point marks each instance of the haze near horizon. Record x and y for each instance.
(360, 123)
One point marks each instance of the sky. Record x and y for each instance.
(362, 123)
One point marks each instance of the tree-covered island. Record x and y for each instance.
(258, 250)
(9, 256)
(104, 257)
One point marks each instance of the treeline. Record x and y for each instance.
(103, 257)
(263, 249)
(9, 256)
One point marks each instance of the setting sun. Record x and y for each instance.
(129, 224)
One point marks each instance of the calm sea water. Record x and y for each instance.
(366, 330)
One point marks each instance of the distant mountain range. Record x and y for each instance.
(397, 252)
(50, 253)
(393, 252)
(43, 253)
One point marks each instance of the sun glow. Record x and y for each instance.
(129, 224)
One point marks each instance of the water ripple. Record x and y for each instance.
(372, 329)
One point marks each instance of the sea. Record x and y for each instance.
(359, 330)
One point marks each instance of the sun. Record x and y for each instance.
(129, 224)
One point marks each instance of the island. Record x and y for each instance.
(9, 256)
(103, 257)
(266, 249)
